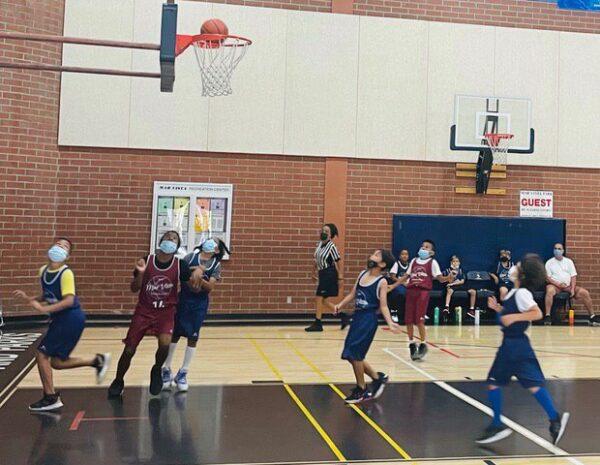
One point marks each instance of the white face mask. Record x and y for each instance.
(455, 267)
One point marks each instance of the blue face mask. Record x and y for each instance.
(209, 246)
(168, 247)
(57, 254)
(423, 254)
(558, 253)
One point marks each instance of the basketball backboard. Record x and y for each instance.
(475, 116)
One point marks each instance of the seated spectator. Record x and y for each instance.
(501, 276)
(397, 291)
(457, 284)
(562, 277)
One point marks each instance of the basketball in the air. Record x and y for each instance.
(214, 26)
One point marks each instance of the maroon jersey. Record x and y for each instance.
(421, 275)
(159, 287)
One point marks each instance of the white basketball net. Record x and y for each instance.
(217, 62)
(499, 145)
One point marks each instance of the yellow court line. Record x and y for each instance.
(363, 415)
(313, 421)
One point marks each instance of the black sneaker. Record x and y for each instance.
(345, 320)
(47, 403)
(394, 315)
(494, 433)
(156, 382)
(378, 385)
(315, 327)
(557, 427)
(471, 313)
(102, 366)
(413, 351)
(548, 320)
(358, 395)
(422, 351)
(116, 388)
(446, 316)
(594, 321)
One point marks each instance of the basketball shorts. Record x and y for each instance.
(63, 333)
(149, 322)
(417, 302)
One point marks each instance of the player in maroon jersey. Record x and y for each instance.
(420, 275)
(156, 277)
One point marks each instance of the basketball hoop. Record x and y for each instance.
(499, 145)
(217, 56)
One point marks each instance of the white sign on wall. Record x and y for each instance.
(537, 204)
(196, 211)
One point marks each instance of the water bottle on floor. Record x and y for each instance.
(436, 316)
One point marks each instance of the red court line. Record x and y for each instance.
(113, 418)
(77, 420)
(449, 352)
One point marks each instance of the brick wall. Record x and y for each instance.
(28, 153)
(305, 5)
(102, 198)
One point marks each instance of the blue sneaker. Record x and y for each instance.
(167, 378)
(181, 381)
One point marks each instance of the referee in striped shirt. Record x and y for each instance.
(327, 273)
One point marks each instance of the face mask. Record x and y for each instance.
(168, 247)
(558, 253)
(324, 236)
(504, 259)
(209, 246)
(423, 254)
(57, 254)
(371, 264)
(455, 267)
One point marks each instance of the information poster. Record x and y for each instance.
(539, 204)
(196, 211)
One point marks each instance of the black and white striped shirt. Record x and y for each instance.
(326, 255)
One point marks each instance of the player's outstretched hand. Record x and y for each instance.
(21, 295)
(140, 266)
(493, 304)
(336, 309)
(395, 328)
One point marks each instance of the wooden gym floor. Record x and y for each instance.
(274, 395)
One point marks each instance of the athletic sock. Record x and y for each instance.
(169, 360)
(543, 397)
(187, 358)
(495, 398)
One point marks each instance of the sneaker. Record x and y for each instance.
(394, 315)
(102, 366)
(181, 381)
(358, 395)
(155, 380)
(316, 326)
(413, 351)
(557, 427)
(167, 378)
(471, 313)
(116, 388)
(594, 320)
(494, 433)
(548, 320)
(47, 403)
(345, 320)
(378, 385)
(423, 349)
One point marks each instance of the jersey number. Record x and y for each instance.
(158, 304)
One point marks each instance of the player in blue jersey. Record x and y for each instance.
(205, 263)
(370, 296)
(515, 357)
(67, 321)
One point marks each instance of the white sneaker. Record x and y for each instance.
(181, 381)
(167, 378)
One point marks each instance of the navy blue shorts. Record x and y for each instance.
(360, 336)
(515, 357)
(189, 317)
(63, 333)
